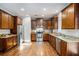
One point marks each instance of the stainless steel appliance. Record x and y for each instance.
(39, 34)
(19, 34)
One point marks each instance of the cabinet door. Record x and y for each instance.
(64, 19)
(45, 37)
(63, 48)
(9, 43)
(68, 20)
(55, 22)
(10, 22)
(1, 44)
(54, 42)
(44, 24)
(71, 22)
(33, 37)
(4, 20)
(14, 40)
(33, 24)
(49, 24)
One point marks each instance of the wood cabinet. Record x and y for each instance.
(44, 24)
(55, 22)
(10, 22)
(16, 21)
(76, 6)
(64, 48)
(68, 17)
(52, 41)
(49, 24)
(6, 20)
(33, 24)
(69, 48)
(45, 37)
(33, 37)
(7, 43)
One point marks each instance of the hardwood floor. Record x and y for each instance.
(31, 49)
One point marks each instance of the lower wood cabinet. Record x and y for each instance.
(69, 48)
(33, 37)
(7, 43)
(45, 37)
(52, 41)
(64, 48)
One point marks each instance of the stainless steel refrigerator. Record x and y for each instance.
(19, 34)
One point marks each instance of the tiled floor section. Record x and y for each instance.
(32, 49)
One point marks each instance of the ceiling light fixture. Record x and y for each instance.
(42, 15)
(22, 9)
(56, 11)
(44, 9)
(27, 15)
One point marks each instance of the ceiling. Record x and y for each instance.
(35, 10)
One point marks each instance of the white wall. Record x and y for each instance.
(4, 31)
(27, 29)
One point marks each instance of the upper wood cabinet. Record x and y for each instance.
(55, 22)
(6, 20)
(68, 17)
(33, 24)
(44, 24)
(10, 21)
(48, 24)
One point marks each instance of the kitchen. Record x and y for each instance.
(56, 31)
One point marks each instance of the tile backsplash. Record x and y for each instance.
(71, 32)
(4, 31)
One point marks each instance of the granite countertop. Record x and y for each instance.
(66, 38)
(7, 36)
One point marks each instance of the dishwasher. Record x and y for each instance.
(58, 45)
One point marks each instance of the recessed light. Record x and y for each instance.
(22, 9)
(56, 11)
(42, 15)
(44, 9)
(27, 15)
